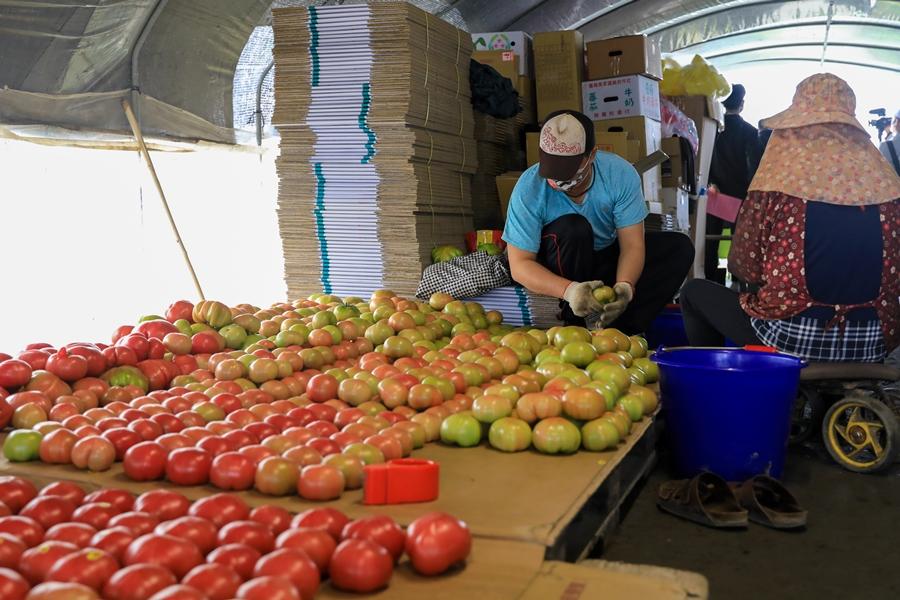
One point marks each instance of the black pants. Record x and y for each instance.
(714, 226)
(567, 249)
(712, 313)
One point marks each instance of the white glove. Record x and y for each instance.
(614, 310)
(581, 299)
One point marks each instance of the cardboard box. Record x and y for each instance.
(525, 88)
(675, 202)
(515, 41)
(558, 71)
(627, 55)
(672, 175)
(532, 146)
(584, 580)
(615, 142)
(620, 97)
(707, 128)
(697, 107)
(503, 61)
(505, 185)
(633, 154)
(646, 131)
(652, 184)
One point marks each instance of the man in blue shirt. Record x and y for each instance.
(576, 220)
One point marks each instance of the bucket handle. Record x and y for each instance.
(748, 348)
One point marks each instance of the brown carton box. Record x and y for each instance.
(504, 62)
(505, 185)
(615, 142)
(558, 70)
(646, 131)
(672, 175)
(532, 147)
(627, 55)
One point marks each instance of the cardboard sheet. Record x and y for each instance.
(568, 581)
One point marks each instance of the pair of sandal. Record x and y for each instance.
(709, 500)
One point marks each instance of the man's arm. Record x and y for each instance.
(527, 271)
(631, 254)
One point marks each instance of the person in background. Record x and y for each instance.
(576, 221)
(735, 158)
(819, 234)
(890, 148)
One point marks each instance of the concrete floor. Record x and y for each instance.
(848, 551)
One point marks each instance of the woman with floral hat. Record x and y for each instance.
(818, 237)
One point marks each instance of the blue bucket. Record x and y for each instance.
(728, 410)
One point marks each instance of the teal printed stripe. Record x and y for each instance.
(523, 306)
(364, 126)
(319, 213)
(314, 44)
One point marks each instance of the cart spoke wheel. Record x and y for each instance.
(861, 434)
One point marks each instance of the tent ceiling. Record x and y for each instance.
(69, 62)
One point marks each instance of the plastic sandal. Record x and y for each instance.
(769, 503)
(705, 499)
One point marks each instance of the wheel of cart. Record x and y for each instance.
(858, 407)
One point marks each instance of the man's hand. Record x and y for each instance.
(580, 298)
(614, 310)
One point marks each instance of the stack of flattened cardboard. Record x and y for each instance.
(521, 306)
(377, 146)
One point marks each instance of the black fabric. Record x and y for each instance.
(687, 165)
(893, 152)
(735, 157)
(734, 99)
(714, 226)
(492, 93)
(712, 313)
(567, 249)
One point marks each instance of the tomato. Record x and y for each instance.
(95, 514)
(268, 588)
(276, 476)
(90, 567)
(138, 582)
(188, 466)
(199, 531)
(123, 500)
(320, 482)
(36, 562)
(294, 565)
(164, 504)
(16, 492)
(316, 543)
(24, 528)
(79, 534)
(238, 557)
(274, 517)
(113, 540)
(220, 509)
(67, 367)
(56, 590)
(328, 519)
(216, 581)
(437, 541)
(145, 461)
(94, 453)
(12, 585)
(556, 435)
(138, 523)
(232, 471)
(360, 566)
(14, 373)
(251, 533)
(22, 445)
(381, 530)
(176, 554)
(96, 362)
(64, 489)
(11, 549)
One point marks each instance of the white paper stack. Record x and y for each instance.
(521, 307)
(377, 146)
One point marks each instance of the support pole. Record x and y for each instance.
(136, 129)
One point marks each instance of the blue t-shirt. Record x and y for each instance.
(614, 201)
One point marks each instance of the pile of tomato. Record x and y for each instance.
(62, 543)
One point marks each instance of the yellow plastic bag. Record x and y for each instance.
(702, 79)
(671, 84)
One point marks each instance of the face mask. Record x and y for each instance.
(580, 176)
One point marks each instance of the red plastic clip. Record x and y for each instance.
(756, 348)
(400, 481)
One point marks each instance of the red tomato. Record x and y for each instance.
(317, 544)
(164, 504)
(199, 531)
(179, 592)
(145, 461)
(220, 509)
(146, 428)
(95, 514)
(48, 510)
(12, 585)
(123, 500)
(138, 523)
(174, 441)
(138, 582)
(90, 567)
(276, 476)
(113, 540)
(381, 530)
(56, 590)
(238, 557)
(94, 453)
(250, 533)
(274, 517)
(360, 566)
(239, 438)
(320, 482)
(36, 562)
(217, 581)
(24, 528)
(169, 423)
(268, 588)
(79, 534)
(67, 367)
(328, 519)
(232, 471)
(260, 430)
(16, 492)
(257, 453)
(188, 466)
(176, 554)
(66, 489)
(437, 541)
(14, 373)
(11, 549)
(324, 446)
(215, 445)
(293, 564)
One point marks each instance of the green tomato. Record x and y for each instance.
(251, 339)
(183, 326)
(598, 435)
(22, 445)
(510, 434)
(556, 435)
(151, 318)
(461, 429)
(126, 375)
(234, 335)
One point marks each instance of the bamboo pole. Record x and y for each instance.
(136, 129)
